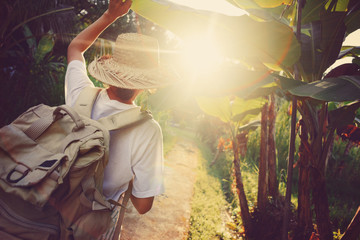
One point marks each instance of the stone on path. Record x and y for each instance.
(170, 214)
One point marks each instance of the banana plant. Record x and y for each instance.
(265, 39)
(235, 112)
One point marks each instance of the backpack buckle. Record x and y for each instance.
(18, 170)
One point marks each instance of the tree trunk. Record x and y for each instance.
(273, 183)
(284, 234)
(304, 203)
(319, 150)
(244, 208)
(263, 162)
(321, 206)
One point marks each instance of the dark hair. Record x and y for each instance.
(123, 93)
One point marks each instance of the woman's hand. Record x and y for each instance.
(86, 38)
(118, 8)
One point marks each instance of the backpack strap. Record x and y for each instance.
(124, 200)
(124, 119)
(86, 100)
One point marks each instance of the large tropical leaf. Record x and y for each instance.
(326, 23)
(288, 83)
(311, 11)
(257, 4)
(227, 82)
(352, 22)
(332, 37)
(311, 53)
(321, 48)
(272, 3)
(231, 109)
(239, 37)
(250, 126)
(231, 81)
(344, 69)
(344, 115)
(339, 6)
(266, 10)
(339, 89)
(45, 45)
(263, 91)
(244, 4)
(348, 51)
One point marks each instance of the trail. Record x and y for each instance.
(170, 214)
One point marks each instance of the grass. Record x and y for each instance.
(208, 203)
(208, 206)
(213, 194)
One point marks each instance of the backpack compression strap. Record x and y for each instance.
(127, 118)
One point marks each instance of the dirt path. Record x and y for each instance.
(169, 217)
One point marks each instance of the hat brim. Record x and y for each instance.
(119, 75)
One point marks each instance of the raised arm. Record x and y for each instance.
(116, 9)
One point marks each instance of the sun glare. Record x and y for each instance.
(201, 55)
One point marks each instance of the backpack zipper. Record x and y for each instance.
(10, 215)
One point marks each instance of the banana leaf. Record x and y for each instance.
(344, 69)
(321, 48)
(238, 37)
(266, 10)
(352, 20)
(344, 115)
(272, 3)
(231, 81)
(231, 109)
(250, 126)
(288, 83)
(46, 45)
(349, 51)
(339, 89)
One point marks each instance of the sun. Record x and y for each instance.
(200, 55)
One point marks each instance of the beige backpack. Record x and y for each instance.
(52, 162)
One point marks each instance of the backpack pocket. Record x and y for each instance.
(17, 223)
(92, 225)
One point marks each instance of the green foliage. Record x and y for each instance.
(282, 135)
(169, 139)
(208, 203)
(234, 33)
(340, 89)
(34, 36)
(209, 129)
(163, 117)
(231, 111)
(31, 71)
(343, 177)
(35, 77)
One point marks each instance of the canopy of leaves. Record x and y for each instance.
(274, 43)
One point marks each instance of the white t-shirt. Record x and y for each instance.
(134, 152)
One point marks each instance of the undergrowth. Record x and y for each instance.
(208, 207)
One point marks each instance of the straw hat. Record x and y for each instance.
(133, 65)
